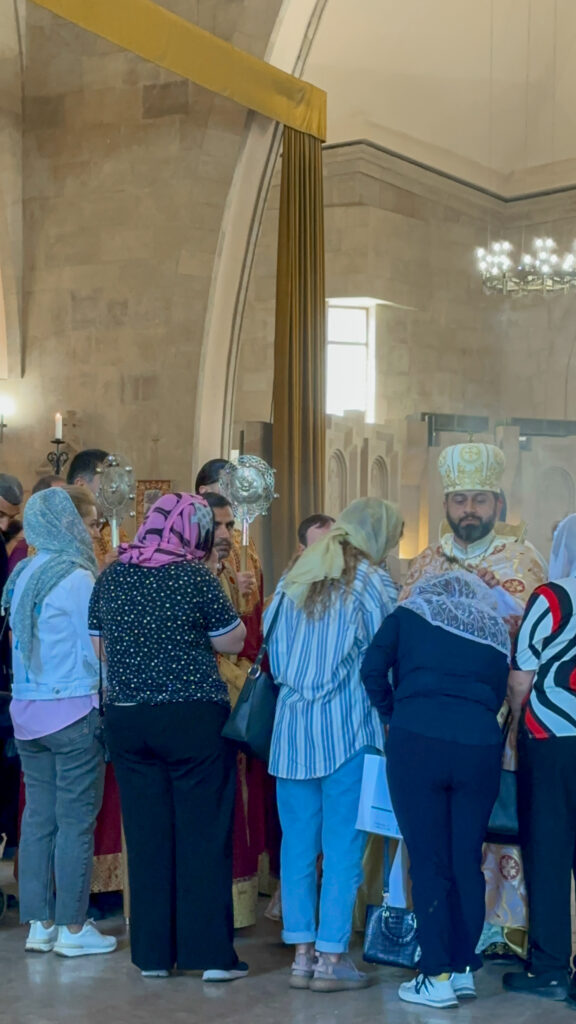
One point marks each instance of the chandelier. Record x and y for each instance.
(544, 271)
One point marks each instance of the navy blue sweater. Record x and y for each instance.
(443, 685)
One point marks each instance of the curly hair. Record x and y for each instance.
(322, 593)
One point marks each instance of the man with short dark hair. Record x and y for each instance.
(11, 497)
(208, 478)
(313, 528)
(224, 540)
(83, 470)
(244, 589)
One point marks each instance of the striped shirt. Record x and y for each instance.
(546, 645)
(323, 714)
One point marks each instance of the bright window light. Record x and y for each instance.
(350, 358)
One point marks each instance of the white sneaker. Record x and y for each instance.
(428, 992)
(463, 985)
(85, 943)
(41, 939)
(155, 974)
(240, 971)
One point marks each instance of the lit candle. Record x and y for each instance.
(58, 427)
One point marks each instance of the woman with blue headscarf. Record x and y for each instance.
(56, 725)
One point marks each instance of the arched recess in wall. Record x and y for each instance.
(556, 497)
(337, 483)
(290, 42)
(379, 479)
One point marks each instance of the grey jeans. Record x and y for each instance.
(64, 777)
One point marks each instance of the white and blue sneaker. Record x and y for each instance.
(428, 992)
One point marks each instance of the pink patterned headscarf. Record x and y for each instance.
(178, 528)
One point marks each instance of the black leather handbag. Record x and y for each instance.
(251, 720)
(503, 824)
(391, 933)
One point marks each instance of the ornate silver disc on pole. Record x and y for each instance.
(249, 487)
(116, 492)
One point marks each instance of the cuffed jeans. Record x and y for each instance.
(319, 816)
(64, 778)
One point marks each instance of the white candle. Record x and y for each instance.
(58, 427)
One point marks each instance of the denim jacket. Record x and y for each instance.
(63, 660)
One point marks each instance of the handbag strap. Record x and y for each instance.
(266, 638)
(100, 684)
(387, 869)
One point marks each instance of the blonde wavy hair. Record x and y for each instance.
(366, 531)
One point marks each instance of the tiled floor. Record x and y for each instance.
(46, 989)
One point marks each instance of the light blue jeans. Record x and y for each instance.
(319, 816)
(64, 777)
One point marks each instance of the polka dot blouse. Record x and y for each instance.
(156, 625)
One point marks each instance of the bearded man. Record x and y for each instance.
(251, 812)
(475, 540)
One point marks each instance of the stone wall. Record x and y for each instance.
(126, 172)
(12, 31)
(406, 236)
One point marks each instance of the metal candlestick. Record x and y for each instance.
(58, 459)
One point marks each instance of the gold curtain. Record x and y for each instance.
(172, 42)
(299, 438)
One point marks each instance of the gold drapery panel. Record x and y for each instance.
(157, 35)
(299, 434)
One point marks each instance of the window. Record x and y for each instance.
(350, 357)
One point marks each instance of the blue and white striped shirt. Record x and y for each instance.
(323, 715)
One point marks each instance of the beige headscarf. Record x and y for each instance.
(369, 524)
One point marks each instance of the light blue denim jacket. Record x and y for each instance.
(63, 660)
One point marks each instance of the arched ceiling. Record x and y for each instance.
(480, 89)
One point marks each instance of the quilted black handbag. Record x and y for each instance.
(251, 720)
(391, 935)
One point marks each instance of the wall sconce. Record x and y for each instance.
(7, 408)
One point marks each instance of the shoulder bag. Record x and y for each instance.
(503, 825)
(251, 720)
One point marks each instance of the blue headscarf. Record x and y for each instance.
(52, 526)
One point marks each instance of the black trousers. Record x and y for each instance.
(547, 808)
(9, 791)
(443, 794)
(177, 781)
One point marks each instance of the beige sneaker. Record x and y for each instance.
(302, 970)
(336, 975)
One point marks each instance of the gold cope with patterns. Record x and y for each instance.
(474, 466)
